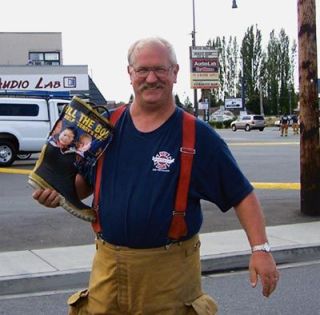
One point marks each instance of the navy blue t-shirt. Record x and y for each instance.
(139, 181)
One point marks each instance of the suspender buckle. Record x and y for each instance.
(180, 213)
(187, 150)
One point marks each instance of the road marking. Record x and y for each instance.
(36, 294)
(285, 186)
(14, 171)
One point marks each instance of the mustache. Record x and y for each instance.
(146, 86)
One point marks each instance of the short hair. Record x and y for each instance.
(141, 43)
(72, 129)
(85, 135)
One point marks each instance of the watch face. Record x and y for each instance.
(263, 247)
(267, 247)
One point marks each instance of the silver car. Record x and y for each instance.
(248, 122)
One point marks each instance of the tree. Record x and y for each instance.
(272, 73)
(177, 100)
(284, 71)
(268, 74)
(251, 53)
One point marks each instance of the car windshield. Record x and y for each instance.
(258, 118)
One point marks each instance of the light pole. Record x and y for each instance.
(235, 6)
(193, 35)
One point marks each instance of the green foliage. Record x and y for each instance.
(226, 123)
(267, 72)
(216, 124)
(221, 124)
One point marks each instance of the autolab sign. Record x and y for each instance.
(44, 82)
(204, 66)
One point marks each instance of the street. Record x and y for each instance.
(297, 293)
(263, 157)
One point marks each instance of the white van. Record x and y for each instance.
(25, 123)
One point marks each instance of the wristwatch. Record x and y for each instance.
(261, 247)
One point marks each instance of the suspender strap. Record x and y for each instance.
(96, 194)
(178, 227)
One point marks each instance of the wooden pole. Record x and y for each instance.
(309, 109)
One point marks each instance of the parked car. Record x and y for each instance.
(248, 122)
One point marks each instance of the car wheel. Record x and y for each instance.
(234, 128)
(247, 128)
(8, 153)
(261, 129)
(24, 156)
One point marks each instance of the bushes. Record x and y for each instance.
(221, 124)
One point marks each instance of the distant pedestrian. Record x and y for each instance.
(295, 124)
(284, 124)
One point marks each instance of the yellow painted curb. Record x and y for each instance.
(287, 186)
(14, 171)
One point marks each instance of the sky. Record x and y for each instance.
(98, 33)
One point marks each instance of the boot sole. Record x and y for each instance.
(86, 215)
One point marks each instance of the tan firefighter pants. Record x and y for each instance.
(157, 281)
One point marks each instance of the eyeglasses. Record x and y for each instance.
(143, 72)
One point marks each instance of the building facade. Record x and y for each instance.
(32, 62)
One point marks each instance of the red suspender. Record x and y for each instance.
(96, 194)
(178, 226)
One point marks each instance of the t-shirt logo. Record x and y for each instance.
(162, 161)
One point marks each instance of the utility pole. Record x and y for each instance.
(193, 34)
(243, 97)
(309, 109)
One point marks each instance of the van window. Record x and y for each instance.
(258, 118)
(10, 109)
(61, 107)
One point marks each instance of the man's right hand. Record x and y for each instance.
(47, 197)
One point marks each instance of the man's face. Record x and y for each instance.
(152, 75)
(66, 137)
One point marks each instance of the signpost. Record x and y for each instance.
(204, 67)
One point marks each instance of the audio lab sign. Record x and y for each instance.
(204, 66)
(44, 82)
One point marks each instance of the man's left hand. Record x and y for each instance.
(262, 265)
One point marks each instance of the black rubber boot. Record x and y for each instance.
(61, 158)
(58, 172)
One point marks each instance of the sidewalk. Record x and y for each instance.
(29, 271)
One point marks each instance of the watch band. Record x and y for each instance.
(261, 247)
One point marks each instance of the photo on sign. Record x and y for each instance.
(232, 103)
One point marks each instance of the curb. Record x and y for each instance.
(240, 260)
(77, 279)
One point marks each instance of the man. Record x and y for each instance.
(295, 124)
(137, 268)
(284, 124)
